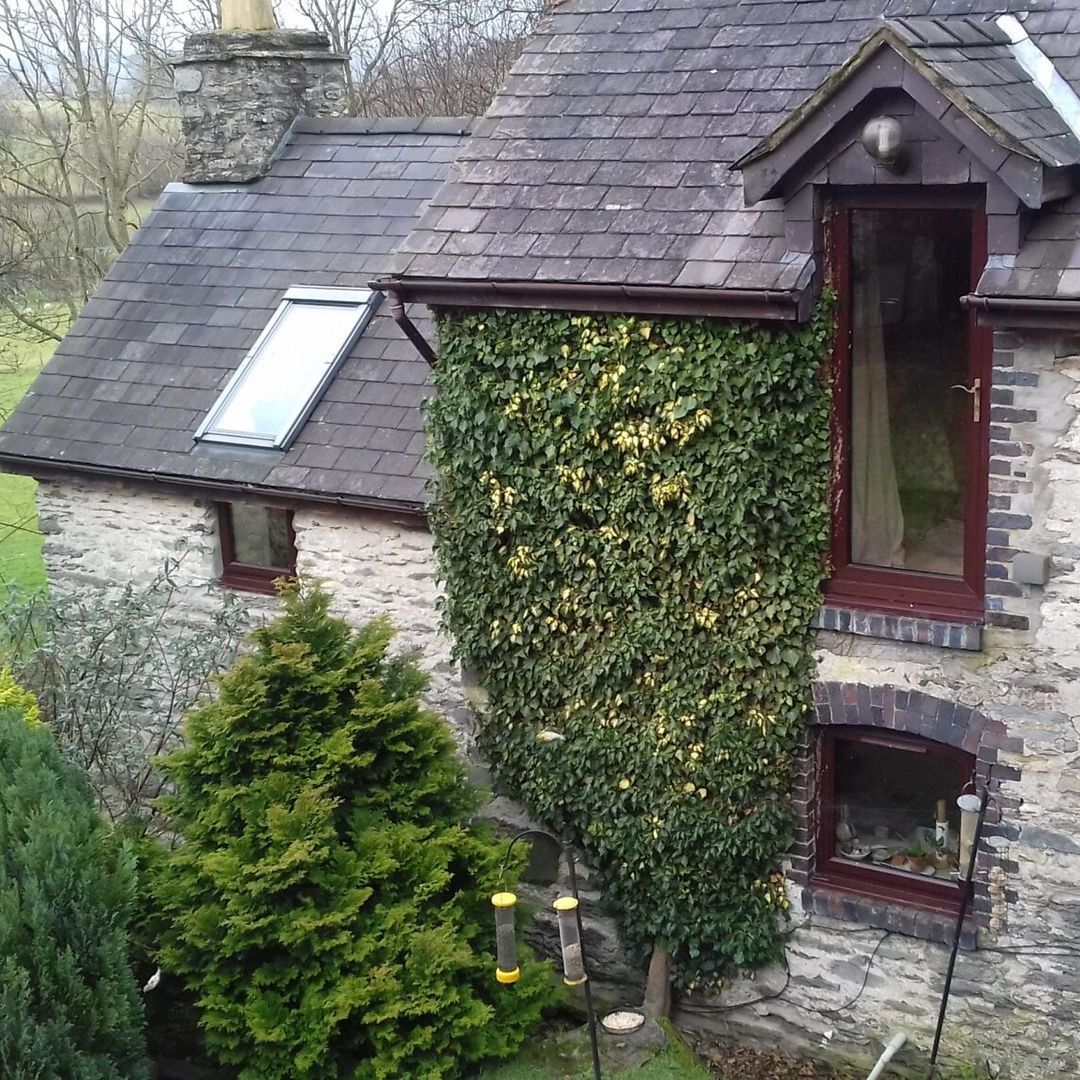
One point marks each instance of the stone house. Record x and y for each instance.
(718, 158)
(166, 419)
(729, 159)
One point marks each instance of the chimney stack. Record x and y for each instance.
(241, 87)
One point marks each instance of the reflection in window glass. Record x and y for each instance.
(286, 369)
(909, 426)
(895, 807)
(262, 536)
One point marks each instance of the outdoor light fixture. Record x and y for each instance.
(883, 140)
(550, 737)
(568, 911)
(573, 962)
(507, 971)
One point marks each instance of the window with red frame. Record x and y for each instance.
(888, 822)
(258, 546)
(910, 405)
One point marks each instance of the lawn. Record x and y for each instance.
(670, 1065)
(20, 541)
(564, 1055)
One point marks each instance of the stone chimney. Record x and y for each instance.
(241, 87)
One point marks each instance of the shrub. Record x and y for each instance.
(329, 905)
(115, 668)
(69, 1009)
(13, 696)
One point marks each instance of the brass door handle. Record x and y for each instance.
(975, 390)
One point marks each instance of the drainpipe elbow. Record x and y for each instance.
(407, 326)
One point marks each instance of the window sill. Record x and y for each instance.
(263, 584)
(913, 919)
(942, 633)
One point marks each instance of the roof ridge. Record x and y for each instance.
(384, 125)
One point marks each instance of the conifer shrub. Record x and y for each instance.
(69, 1008)
(329, 905)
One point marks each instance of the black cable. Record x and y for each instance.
(1034, 948)
(787, 983)
(1027, 949)
(865, 979)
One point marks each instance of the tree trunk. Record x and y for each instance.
(657, 1002)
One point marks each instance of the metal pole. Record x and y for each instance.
(572, 871)
(969, 887)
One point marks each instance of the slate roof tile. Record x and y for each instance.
(661, 97)
(179, 308)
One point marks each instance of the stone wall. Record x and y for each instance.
(375, 565)
(100, 533)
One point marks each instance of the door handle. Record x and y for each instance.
(975, 390)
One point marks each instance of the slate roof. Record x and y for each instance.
(975, 56)
(607, 157)
(179, 308)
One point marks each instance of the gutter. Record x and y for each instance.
(41, 469)
(1040, 313)
(764, 304)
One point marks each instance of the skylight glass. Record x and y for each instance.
(283, 376)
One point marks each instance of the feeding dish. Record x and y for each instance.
(856, 852)
(622, 1022)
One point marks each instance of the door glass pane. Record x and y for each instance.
(896, 808)
(909, 427)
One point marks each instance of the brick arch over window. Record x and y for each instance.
(910, 712)
(913, 713)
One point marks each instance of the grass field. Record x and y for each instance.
(668, 1066)
(20, 541)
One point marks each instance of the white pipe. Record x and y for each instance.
(890, 1051)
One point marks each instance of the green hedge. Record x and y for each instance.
(69, 1007)
(631, 524)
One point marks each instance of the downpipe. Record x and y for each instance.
(408, 327)
(891, 1050)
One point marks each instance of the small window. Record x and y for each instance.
(889, 826)
(283, 376)
(257, 546)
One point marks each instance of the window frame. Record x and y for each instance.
(366, 301)
(895, 591)
(877, 883)
(248, 577)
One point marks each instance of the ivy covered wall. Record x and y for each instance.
(630, 524)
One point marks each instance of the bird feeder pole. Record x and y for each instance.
(571, 937)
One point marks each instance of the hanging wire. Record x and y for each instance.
(774, 995)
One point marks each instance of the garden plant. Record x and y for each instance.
(329, 906)
(630, 523)
(69, 1007)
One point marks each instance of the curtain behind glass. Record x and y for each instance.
(877, 520)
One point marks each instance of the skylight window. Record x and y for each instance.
(283, 376)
